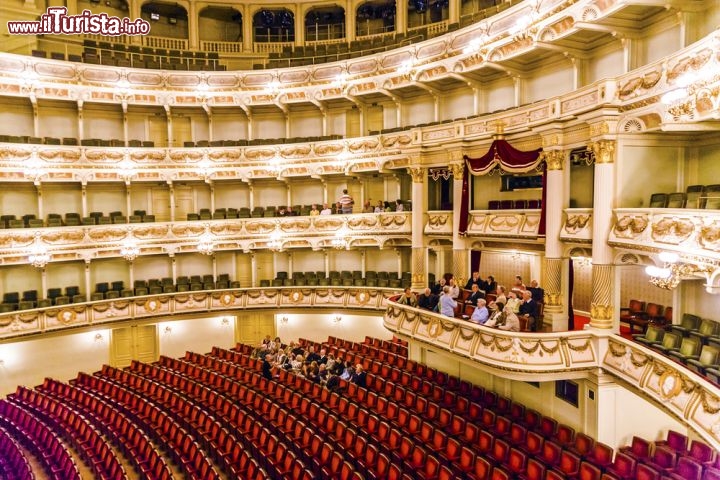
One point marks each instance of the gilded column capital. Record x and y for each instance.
(457, 170)
(554, 159)
(604, 151)
(418, 174)
(455, 155)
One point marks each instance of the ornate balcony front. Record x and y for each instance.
(523, 224)
(523, 356)
(246, 234)
(106, 312)
(577, 227)
(439, 222)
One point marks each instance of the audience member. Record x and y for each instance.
(399, 207)
(379, 208)
(346, 202)
(408, 298)
(359, 378)
(338, 208)
(367, 207)
(529, 310)
(333, 383)
(267, 367)
(500, 298)
(438, 287)
(538, 294)
(291, 213)
(490, 284)
(338, 367)
(314, 210)
(323, 357)
(518, 283)
(475, 280)
(326, 210)
(454, 289)
(428, 300)
(297, 363)
(311, 356)
(475, 295)
(510, 321)
(447, 303)
(481, 314)
(282, 212)
(513, 302)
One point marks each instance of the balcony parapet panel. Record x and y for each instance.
(686, 231)
(577, 226)
(246, 234)
(106, 312)
(439, 222)
(561, 355)
(504, 224)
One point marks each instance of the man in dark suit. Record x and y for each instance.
(267, 367)
(428, 300)
(529, 310)
(538, 293)
(359, 378)
(474, 280)
(475, 295)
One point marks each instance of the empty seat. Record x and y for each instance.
(658, 200)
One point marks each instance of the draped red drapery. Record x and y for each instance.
(509, 159)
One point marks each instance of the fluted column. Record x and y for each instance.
(555, 308)
(419, 252)
(350, 21)
(603, 271)
(299, 26)
(247, 30)
(454, 8)
(193, 27)
(459, 267)
(401, 16)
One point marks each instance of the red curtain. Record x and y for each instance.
(507, 157)
(511, 160)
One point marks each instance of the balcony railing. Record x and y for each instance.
(104, 312)
(246, 234)
(559, 355)
(504, 223)
(439, 222)
(578, 225)
(687, 231)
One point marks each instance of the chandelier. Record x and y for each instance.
(671, 273)
(339, 242)
(39, 256)
(206, 245)
(129, 251)
(275, 244)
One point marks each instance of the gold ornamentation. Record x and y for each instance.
(672, 230)
(435, 328)
(577, 348)
(66, 316)
(152, 305)
(604, 151)
(601, 312)
(554, 159)
(227, 299)
(457, 170)
(576, 222)
(418, 174)
(630, 226)
(670, 384)
(362, 297)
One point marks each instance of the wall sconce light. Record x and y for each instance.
(225, 322)
(168, 330)
(672, 272)
(2, 362)
(129, 251)
(581, 261)
(98, 337)
(206, 245)
(284, 320)
(337, 319)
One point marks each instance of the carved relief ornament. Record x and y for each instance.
(604, 151)
(554, 159)
(457, 170)
(418, 174)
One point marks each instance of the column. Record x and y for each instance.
(603, 271)
(454, 11)
(350, 21)
(363, 261)
(83, 196)
(290, 265)
(212, 196)
(299, 26)
(172, 203)
(401, 16)
(41, 209)
(81, 130)
(399, 262)
(253, 270)
(251, 195)
(193, 27)
(134, 8)
(418, 264)
(173, 266)
(459, 266)
(128, 197)
(88, 289)
(214, 266)
(327, 263)
(554, 310)
(247, 30)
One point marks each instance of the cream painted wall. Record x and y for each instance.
(644, 170)
(57, 122)
(195, 335)
(319, 325)
(102, 122)
(218, 30)
(186, 264)
(200, 128)
(336, 122)
(345, 260)
(202, 195)
(582, 287)
(61, 357)
(610, 64)
(307, 192)
(62, 198)
(556, 80)
(661, 44)
(504, 267)
(309, 262)
(634, 284)
(156, 266)
(697, 301)
(109, 270)
(269, 126)
(16, 117)
(106, 198)
(64, 274)
(381, 260)
(500, 95)
(20, 278)
(270, 193)
(306, 124)
(581, 186)
(229, 124)
(19, 200)
(232, 194)
(458, 103)
(418, 110)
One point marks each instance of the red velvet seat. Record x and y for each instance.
(569, 463)
(675, 441)
(583, 444)
(686, 469)
(623, 467)
(646, 472)
(534, 470)
(564, 435)
(638, 449)
(516, 461)
(550, 453)
(589, 471)
(533, 443)
(701, 452)
(481, 470)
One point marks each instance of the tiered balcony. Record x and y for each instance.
(578, 225)
(522, 224)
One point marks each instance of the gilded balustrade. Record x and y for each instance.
(245, 234)
(562, 355)
(577, 226)
(504, 223)
(107, 312)
(439, 222)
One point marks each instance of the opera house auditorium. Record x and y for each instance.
(367, 239)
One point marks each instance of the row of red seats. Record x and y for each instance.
(42, 442)
(158, 423)
(13, 464)
(125, 435)
(77, 430)
(395, 345)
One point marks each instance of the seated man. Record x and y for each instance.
(474, 280)
(480, 314)
(529, 310)
(538, 293)
(475, 295)
(326, 210)
(428, 300)
(438, 287)
(408, 298)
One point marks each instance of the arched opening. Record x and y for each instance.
(375, 17)
(166, 19)
(274, 26)
(220, 24)
(424, 12)
(324, 23)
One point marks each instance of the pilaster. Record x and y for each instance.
(603, 271)
(555, 312)
(419, 252)
(401, 16)
(459, 267)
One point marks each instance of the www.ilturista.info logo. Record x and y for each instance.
(56, 21)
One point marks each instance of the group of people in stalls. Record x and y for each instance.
(320, 367)
(504, 312)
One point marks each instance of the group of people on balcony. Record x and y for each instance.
(504, 312)
(344, 205)
(320, 367)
